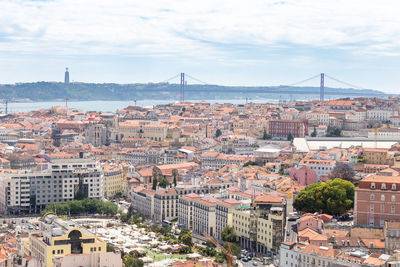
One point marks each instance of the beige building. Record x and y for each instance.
(376, 156)
(260, 226)
(113, 179)
(58, 238)
(96, 134)
(224, 214)
(391, 231)
(143, 129)
(241, 225)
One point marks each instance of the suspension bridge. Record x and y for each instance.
(322, 77)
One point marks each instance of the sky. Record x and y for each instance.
(225, 42)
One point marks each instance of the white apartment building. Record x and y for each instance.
(358, 115)
(185, 210)
(63, 180)
(165, 205)
(143, 202)
(388, 133)
(322, 167)
(321, 116)
(378, 115)
(204, 215)
(304, 255)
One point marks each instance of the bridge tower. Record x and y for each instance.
(182, 87)
(322, 88)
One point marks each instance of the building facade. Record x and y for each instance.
(63, 180)
(376, 200)
(282, 128)
(59, 238)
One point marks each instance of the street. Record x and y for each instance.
(26, 224)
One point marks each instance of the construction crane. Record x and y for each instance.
(227, 252)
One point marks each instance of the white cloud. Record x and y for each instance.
(195, 28)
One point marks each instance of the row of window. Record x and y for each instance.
(372, 197)
(383, 186)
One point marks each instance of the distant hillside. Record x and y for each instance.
(49, 91)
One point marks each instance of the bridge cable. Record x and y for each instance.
(173, 77)
(345, 83)
(195, 79)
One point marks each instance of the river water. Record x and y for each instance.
(111, 105)
(115, 105)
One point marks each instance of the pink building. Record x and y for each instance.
(303, 175)
(310, 221)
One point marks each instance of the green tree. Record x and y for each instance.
(110, 248)
(332, 197)
(334, 132)
(228, 234)
(249, 163)
(266, 136)
(175, 175)
(290, 137)
(163, 183)
(155, 175)
(118, 194)
(218, 133)
(185, 236)
(282, 170)
(342, 171)
(235, 248)
(133, 262)
(210, 244)
(314, 133)
(83, 206)
(220, 257)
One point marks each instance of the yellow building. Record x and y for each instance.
(113, 179)
(376, 156)
(241, 225)
(260, 226)
(58, 237)
(143, 129)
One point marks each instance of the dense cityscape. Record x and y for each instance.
(219, 133)
(197, 184)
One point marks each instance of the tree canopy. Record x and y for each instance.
(342, 171)
(185, 236)
(314, 133)
(155, 174)
(266, 136)
(228, 234)
(218, 133)
(332, 197)
(175, 175)
(290, 137)
(86, 205)
(163, 183)
(334, 132)
(249, 163)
